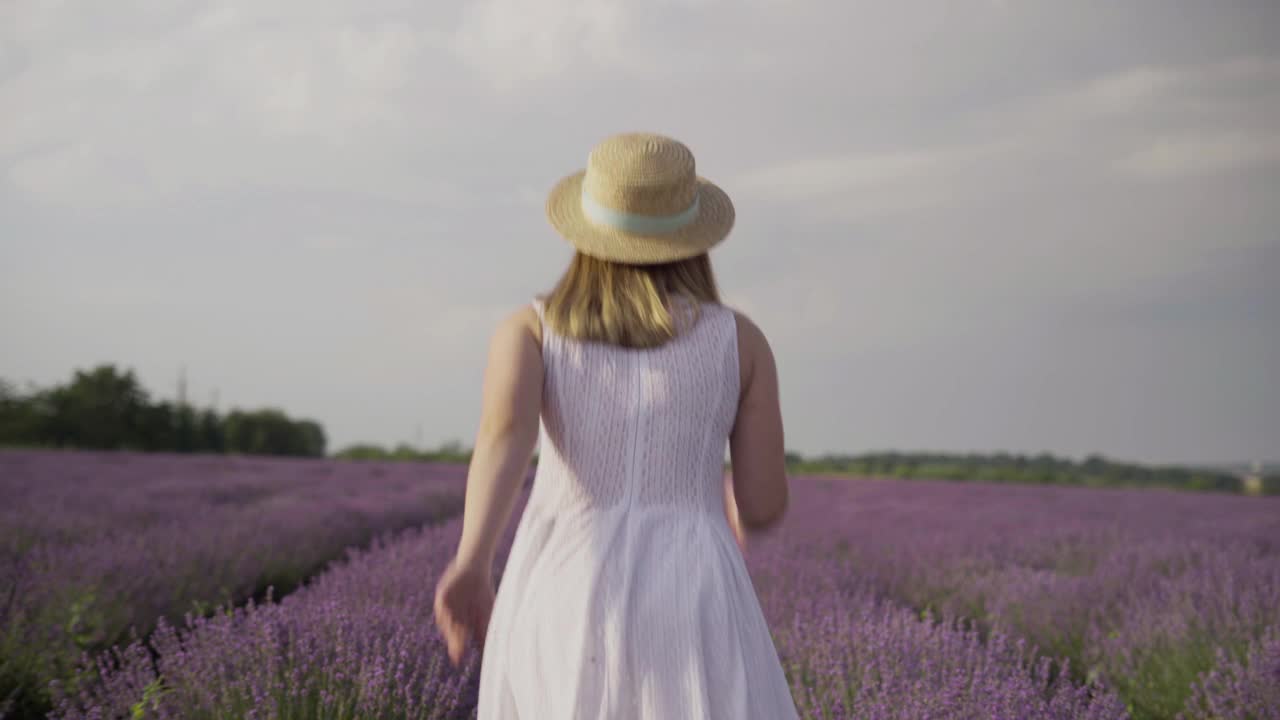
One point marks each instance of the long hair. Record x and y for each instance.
(634, 306)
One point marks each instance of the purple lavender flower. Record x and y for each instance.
(93, 545)
(886, 599)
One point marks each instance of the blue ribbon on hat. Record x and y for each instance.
(638, 224)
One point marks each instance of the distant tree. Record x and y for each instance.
(404, 451)
(102, 409)
(312, 438)
(451, 451)
(365, 451)
(238, 430)
(108, 409)
(1271, 485)
(1094, 464)
(272, 432)
(263, 432)
(155, 430)
(186, 431)
(21, 422)
(209, 433)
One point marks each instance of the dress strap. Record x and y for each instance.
(539, 306)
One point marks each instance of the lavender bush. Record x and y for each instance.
(357, 643)
(849, 652)
(887, 599)
(328, 651)
(855, 658)
(1136, 589)
(1235, 688)
(95, 544)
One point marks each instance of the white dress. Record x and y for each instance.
(624, 595)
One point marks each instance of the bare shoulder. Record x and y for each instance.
(748, 331)
(753, 347)
(519, 324)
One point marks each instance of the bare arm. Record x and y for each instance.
(508, 432)
(756, 444)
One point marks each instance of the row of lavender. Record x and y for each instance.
(96, 545)
(360, 643)
(1084, 604)
(1149, 592)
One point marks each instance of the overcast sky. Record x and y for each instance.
(990, 225)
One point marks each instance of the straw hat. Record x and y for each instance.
(640, 201)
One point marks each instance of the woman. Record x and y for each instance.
(624, 595)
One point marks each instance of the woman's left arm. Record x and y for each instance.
(509, 416)
(504, 443)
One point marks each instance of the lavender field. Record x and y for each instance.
(1169, 600)
(887, 599)
(96, 545)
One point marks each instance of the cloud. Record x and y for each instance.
(861, 185)
(1173, 157)
(1035, 201)
(1126, 105)
(513, 42)
(1147, 122)
(431, 327)
(235, 97)
(912, 181)
(523, 48)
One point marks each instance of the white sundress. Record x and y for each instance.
(624, 595)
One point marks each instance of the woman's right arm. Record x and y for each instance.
(756, 445)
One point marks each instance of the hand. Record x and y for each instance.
(739, 533)
(735, 523)
(464, 602)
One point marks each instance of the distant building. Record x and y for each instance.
(1251, 482)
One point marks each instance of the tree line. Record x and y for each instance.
(449, 452)
(108, 409)
(1039, 469)
(1094, 471)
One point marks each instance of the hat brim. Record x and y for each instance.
(712, 225)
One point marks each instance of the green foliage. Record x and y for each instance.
(1043, 468)
(101, 409)
(106, 409)
(20, 421)
(361, 452)
(151, 695)
(1093, 471)
(1160, 679)
(449, 452)
(271, 432)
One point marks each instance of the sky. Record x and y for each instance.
(1012, 225)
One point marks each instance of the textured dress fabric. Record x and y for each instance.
(624, 595)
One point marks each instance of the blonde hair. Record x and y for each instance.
(628, 305)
